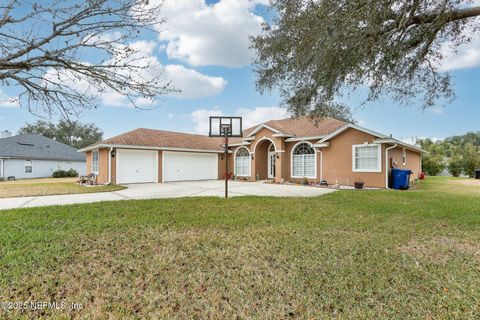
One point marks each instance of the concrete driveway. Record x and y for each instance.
(169, 190)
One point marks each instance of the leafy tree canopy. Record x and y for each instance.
(316, 51)
(459, 154)
(72, 133)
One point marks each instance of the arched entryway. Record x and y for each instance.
(265, 160)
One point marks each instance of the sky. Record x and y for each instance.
(204, 50)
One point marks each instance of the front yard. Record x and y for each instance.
(345, 255)
(48, 186)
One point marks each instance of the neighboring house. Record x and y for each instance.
(280, 150)
(35, 156)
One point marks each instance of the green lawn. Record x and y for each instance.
(48, 186)
(346, 255)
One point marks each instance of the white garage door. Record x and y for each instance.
(136, 166)
(184, 166)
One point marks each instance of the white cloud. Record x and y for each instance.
(462, 57)
(437, 109)
(210, 34)
(251, 117)
(189, 83)
(413, 140)
(193, 84)
(200, 118)
(7, 101)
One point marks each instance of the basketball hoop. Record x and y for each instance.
(229, 126)
(225, 127)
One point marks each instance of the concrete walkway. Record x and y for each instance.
(168, 190)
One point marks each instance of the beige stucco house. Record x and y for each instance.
(287, 150)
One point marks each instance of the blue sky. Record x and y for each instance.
(205, 51)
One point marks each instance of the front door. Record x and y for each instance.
(271, 165)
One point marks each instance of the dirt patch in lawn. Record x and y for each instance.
(468, 182)
(48, 186)
(440, 249)
(39, 180)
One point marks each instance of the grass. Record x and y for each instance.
(345, 255)
(48, 186)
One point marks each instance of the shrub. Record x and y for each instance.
(72, 173)
(65, 173)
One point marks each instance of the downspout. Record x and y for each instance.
(386, 164)
(109, 166)
(321, 165)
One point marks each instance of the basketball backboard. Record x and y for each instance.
(229, 126)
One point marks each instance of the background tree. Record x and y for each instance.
(455, 166)
(433, 165)
(316, 51)
(461, 152)
(63, 54)
(72, 133)
(471, 160)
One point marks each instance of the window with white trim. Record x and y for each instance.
(367, 158)
(404, 156)
(303, 161)
(242, 162)
(28, 166)
(95, 161)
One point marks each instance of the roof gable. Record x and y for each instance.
(298, 127)
(350, 126)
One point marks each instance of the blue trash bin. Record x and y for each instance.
(401, 179)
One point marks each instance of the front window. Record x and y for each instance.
(242, 162)
(404, 156)
(95, 161)
(28, 166)
(303, 161)
(366, 158)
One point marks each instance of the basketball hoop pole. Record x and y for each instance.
(225, 127)
(226, 163)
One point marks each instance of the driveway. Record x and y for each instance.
(169, 190)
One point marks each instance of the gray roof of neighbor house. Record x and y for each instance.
(34, 146)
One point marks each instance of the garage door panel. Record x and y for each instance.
(137, 166)
(185, 166)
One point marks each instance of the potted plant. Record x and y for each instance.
(359, 184)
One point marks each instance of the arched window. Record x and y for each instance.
(303, 161)
(242, 162)
(272, 148)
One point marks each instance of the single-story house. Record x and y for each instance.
(35, 156)
(292, 149)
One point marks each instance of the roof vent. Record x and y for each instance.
(25, 144)
(5, 134)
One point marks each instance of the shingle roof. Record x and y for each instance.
(166, 139)
(298, 127)
(302, 126)
(34, 146)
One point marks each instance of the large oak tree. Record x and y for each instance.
(64, 54)
(316, 51)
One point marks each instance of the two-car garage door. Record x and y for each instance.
(141, 166)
